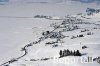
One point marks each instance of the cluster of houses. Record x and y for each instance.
(48, 17)
(69, 23)
(69, 53)
(91, 11)
(84, 30)
(78, 36)
(40, 16)
(53, 34)
(81, 35)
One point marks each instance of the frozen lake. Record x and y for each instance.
(14, 34)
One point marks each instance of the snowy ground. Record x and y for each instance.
(18, 28)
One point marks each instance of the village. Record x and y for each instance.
(56, 36)
(63, 37)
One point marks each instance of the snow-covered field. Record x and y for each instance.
(18, 27)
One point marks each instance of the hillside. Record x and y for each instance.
(34, 34)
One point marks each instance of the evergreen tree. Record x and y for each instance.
(68, 52)
(61, 53)
(78, 53)
(64, 53)
(74, 53)
(71, 53)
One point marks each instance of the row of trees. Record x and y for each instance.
(69, 53)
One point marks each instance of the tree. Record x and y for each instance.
(71, 53)
(74, 53)
(68, 52)
(78, 53)
(61, 53)
(64, 52)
